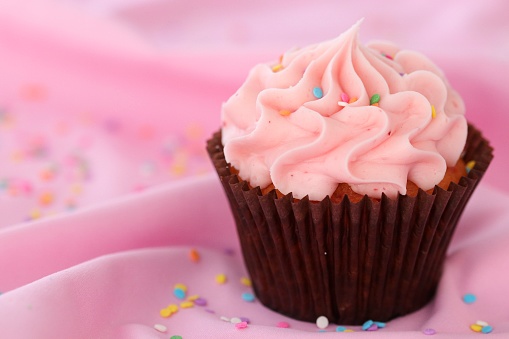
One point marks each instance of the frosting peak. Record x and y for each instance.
(340, 112)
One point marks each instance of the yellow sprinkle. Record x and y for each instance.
(181, 286)
(375, 104)
(193, 297)
(433, 112)
(245, 281)
(352, 100)
(178, 169)
(285, 112)
(221, 278)
(186, 304)
(165, 312)
(35, 214)
(277, 68)
(348, 330)
(476, 328)
(470, 164)
(172, 308)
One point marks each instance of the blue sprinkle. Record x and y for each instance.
(380, 324)
(179, 293)
(248, 297)
(340, 329)
(469, 298)
(367, 325)
(487, 329)
(317, 92)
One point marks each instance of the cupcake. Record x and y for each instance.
(347, 168)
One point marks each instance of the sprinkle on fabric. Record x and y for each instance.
(481, 323)
(317, 92)
(179, 291)
(322, 322)
(285, 112)
(469, 298)
(249, 297)
(245, 319)
(193, 297)
(223, 318)
(429, 331)
(235, 320)
(375, 99)
(487, 329)
(186, 304)
(175, 337)
(241, 325)
(194, 255)
(160, 328)
(200, 302)
(469, 166)
(283, 324)
(245, 281)
(168, 311)
(433, 112)
(481, 327)
(221, 278)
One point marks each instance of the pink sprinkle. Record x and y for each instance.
(283, 324)
(373, 327)
(345, 97)
(241, 325)
(429, 331)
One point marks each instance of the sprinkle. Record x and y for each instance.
(175, 337)
(476, 328)
(374, 99)
(194, 255)
(179, 293)
(429, 331)
(241, 325)
(235, 320)
(373, 327)
(481, 323)
(165, 313)
(433, 112)
(487, 329)
(283, 324)
(469, 166)
(200, 302)
(345, 97)
(367, 325)
(352, 100)
(285, 112)
(223, 318)
(317, 92)
(160, 328)
(173, 308)
(46, 199)
(349, 330)
(245, 281)
(249, 297)
(340, 329)
(186, 304)
(322, 322)
(245, 319)
(469, 298)
(221, 278)
(193, 297)
(277, 68)
(375, 104)
(380, 324)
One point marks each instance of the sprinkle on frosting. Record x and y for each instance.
(317, 92)
(375, 99)
(433, 112)
(285, 112)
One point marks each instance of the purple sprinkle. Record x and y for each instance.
(200, 302)
(373, 327)
(244, 319)
(229, 251)
(209, 310)
(429, 331)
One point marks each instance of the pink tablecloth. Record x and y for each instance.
(105, 187)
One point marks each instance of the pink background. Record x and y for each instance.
(104, 110)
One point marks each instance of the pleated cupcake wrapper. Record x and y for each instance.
(347, 261)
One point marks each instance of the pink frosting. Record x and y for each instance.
(275, 130)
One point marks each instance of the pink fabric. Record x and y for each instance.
(105, 186)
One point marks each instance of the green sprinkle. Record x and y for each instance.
(374, 99)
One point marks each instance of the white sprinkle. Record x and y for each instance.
(235, 320)
(160, 328)
(481, 323)
(223, 318)
(322, 322)
(342, 103)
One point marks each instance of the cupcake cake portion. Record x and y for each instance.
(347, 168)
(373, 117)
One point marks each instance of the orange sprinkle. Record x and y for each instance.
(277, 68)
(375, 104)
(433, 112)
(285, 112)
(194, 255)
(46, 199)
(352, 100)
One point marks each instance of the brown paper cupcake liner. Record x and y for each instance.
(347, 261)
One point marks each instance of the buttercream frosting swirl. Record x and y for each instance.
(306, 124)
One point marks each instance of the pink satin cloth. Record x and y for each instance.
(105, 187)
